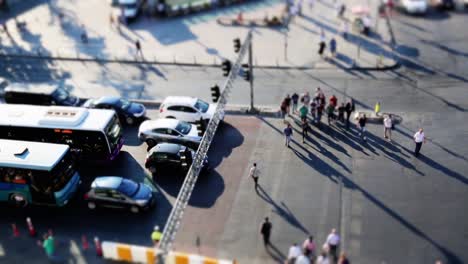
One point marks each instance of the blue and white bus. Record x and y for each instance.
(95, 133)
(37, 173)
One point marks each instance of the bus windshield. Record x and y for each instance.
(62, 173)
(114, 132)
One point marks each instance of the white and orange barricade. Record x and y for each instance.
(139, 254)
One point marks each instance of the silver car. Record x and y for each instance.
(169, 130)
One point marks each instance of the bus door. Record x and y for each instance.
(41, 188)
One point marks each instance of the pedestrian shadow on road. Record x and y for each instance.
(282, 210)
(275, 253)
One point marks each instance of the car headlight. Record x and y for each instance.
(141, 202)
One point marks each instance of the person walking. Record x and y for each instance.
(265, 230)
(388, 124)
(341, 111)
(305, 128)
(295, 100)
(341, 10)
(48, 244)
(156, 235)
(293, 252)
(288, 132)
(253, 173)
(303, 112)
(302, 259)
(333, 100)
(306, 99)
(362, 126)
(322, 46)
(330, 113)
(139, 52)
(287, 100)
(284, 109)
(345, 29)
(84, 35)
(349, 108)
(323, 258)
(343, 259)
(313, 109)
(320, 108)
(333, 241)
(333, 47)
(309, 247)
(419, 139)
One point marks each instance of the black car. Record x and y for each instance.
(39, 94)
(170, 157)
(127, 111)
(444, 4)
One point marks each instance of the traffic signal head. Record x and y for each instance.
(246, 72)
(226, 66)
(237, 45)
(215, 93)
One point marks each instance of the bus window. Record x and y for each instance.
(62, 173)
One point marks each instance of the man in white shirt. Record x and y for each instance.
(293, 253)
(254, 174)
(388, 127)
(419, 139)
(333, 241)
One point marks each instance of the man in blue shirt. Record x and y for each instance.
(288, 133)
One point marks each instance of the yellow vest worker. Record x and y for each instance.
(156, 235)
(377, 108)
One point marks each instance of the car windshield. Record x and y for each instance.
(183, 127)
(202, 106)
(61, 94)
(128, 188)
(123, 104)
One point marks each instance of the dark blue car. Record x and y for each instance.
(128, 112)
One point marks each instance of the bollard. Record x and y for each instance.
(15, 230)
(84, 242)
(32, 231)
(97, 244)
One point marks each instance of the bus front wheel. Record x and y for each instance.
(18, 200)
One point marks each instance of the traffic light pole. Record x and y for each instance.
(252, 108)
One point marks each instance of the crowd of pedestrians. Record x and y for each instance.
(309, 253)
(310, 110)
(305, 106)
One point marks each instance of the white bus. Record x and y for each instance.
(37, 173)
(95, 133)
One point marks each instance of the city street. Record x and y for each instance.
(387, 205)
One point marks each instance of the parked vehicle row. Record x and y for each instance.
(47, 116)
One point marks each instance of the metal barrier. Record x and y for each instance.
(173, 222)
(139, 254)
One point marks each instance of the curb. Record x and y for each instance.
(190, 64)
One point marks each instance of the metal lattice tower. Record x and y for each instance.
(175, 217)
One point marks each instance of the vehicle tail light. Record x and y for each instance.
(86, 196)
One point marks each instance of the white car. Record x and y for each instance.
(414, 6)
(188, 109)
(130, 8)
(169, 130)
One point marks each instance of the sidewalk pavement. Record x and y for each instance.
(196, 38)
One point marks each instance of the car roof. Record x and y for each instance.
(166, 148)
(106, 100)
(107, 182)
(180, 100)
(160, 123)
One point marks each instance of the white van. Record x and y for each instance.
(130, 8)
